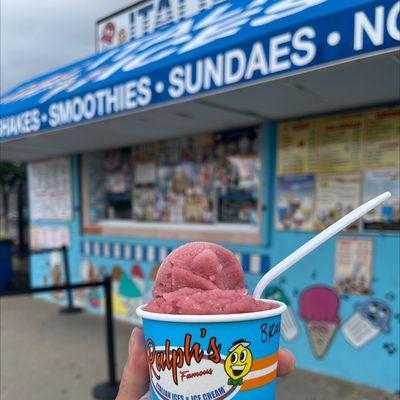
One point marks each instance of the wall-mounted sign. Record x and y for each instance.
(237, 42)
(144, 17)
(353, 266)
(351, 158)
(49, 237)
(50, 195)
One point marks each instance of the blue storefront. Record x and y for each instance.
(254, 124)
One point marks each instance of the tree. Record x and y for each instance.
(11, 176)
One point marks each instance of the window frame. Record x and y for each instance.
(235, 233)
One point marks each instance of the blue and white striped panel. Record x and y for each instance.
(151, 254)
(117, 251)
(253, 263)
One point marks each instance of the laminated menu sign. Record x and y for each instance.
(339, 144)
(49, 237)
(353, 265)
(382, 139)
(387, 215)
(336, 196)
(297, 148)
(295, 202)
(50, 189)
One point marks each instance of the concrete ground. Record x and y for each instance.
(49, 356)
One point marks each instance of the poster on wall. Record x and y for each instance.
(386, 217)
(353, 266)
(336, 196)
(50, 196)
(382, 139)
(339, 144)
(295, 202)
(49, 237)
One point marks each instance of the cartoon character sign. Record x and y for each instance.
(290, 328)
(371, 318)
(108, 33)
(238, 363)
(319, 306)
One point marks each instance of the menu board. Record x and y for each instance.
(50, 195)
(336, 196)
(339, 144)
(297, 148)
(382, 139)
(351, 158)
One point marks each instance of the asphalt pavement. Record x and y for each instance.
(46, 355)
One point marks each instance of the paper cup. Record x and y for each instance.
(198, 357)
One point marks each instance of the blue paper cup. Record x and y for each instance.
(204, 357)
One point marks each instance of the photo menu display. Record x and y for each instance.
(333, 164)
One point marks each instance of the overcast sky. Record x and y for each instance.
(38, 36)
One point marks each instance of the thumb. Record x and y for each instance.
(135, 378)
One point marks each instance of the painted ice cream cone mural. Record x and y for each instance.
(89, 273)
(56, 264)
(128, 290)
(290, 328)
(370, 319)
(319, 307)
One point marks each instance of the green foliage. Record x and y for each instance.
(11, 174)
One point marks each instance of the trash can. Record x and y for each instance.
(6, 270)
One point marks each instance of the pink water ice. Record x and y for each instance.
(202, 278)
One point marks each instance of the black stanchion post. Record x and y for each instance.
(69, 309)
(108, 390)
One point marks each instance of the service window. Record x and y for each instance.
(204, 187)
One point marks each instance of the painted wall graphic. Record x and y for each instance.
(93, 296)
(319, 306)
(56, 265)
(370, 319)
(153, 275)
(290, 327)
(128, 291)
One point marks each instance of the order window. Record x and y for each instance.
(203, 180)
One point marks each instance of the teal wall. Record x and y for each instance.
(375, 364)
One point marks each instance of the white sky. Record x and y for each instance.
(38, 36)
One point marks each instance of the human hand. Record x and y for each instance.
(135, 378)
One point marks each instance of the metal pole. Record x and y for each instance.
(108, 390)
(70, 309)
(110, 331)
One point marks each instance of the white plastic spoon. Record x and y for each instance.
(317, 241)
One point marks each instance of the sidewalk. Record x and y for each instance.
(49, 356)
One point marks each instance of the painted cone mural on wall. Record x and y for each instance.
(319, 307)
(290, 328)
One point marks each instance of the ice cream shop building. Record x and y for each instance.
(250, 123)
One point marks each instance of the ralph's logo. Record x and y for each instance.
(172, 359)
(238, 363)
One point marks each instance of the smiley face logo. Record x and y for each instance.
(238, 362)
